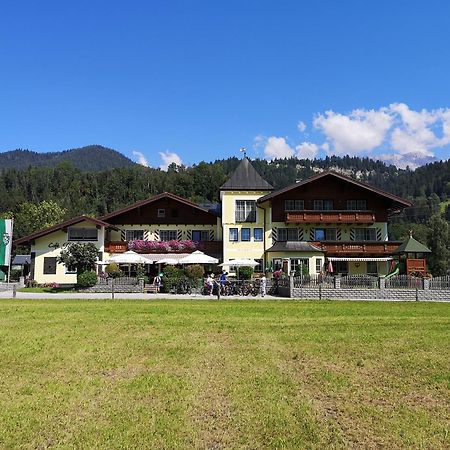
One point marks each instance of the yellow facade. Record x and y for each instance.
(50, 246)
(241, 249)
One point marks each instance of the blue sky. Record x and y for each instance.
(197, 80)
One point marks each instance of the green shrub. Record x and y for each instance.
(195, 271)
(113, 270)
(87, 279)
(245, 273)
(171, 276)
(32, 283)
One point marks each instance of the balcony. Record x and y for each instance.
(384, 248)
(347, 217)
(209, 247)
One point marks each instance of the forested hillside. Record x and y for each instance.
(99, 192)
(91, 158)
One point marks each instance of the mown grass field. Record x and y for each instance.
(224, 375)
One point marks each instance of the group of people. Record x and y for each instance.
(221, 284)
(212, 284)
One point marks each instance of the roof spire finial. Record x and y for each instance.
(410, 233)
(244, 151)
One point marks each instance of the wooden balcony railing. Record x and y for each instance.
(366, 217)
(358, 248)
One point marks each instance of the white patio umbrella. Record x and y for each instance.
(129, 257)
(170, 261)
(198, 257)
(240, 262)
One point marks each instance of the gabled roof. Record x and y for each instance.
(411, 245)
(400, 201)
(246, 178)
(60, 226)
(149, 201)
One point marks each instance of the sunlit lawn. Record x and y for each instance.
(224, 374)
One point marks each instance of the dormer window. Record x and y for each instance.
(161, 213)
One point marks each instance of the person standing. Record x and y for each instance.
(223, 280)
(263, 285)
(157, 282)
(210, 283)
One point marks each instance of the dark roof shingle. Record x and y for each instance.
(246, 178)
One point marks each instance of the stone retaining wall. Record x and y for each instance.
(119, 288)
(370, 294)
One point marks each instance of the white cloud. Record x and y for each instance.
(395, 134)
(259, 141)
(141, 159)
(360, 131)
(307, 150)
(168, 158)
(277, 147)
(301, 126)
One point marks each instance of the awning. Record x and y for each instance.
(338, 258)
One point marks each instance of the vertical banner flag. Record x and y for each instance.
(5, 241)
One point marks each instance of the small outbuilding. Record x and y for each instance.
(411, 254)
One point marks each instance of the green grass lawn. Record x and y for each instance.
(224, 375)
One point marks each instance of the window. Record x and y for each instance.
(277, 264)
(245, 234)
(134, 235)
(49, 265)
(260, 267)
(258, 234)
(287, 234)
(300, 266)
(372, 268)
(365, 234)
(167, 235)
(82, 234)
(174, 212)
(245, 211)
(161, 213)
(294, 205)
(234, 235)
(340, 267)
(318, 265)
(356, 205)
(70, 269)
(323, 205)
(200, 235)
(325, 234)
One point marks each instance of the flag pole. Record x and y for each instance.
(9, 262)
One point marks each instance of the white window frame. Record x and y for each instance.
(254, 235)
(233, 230)
(169, 232)
(245, 211)
(161, 214)
(128, 232)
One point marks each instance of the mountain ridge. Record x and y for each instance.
(90, 158)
